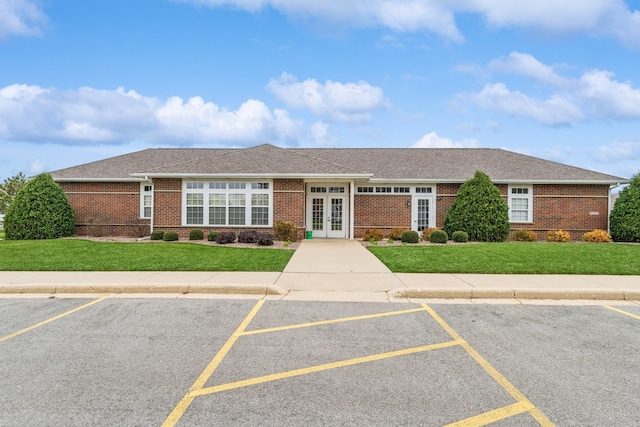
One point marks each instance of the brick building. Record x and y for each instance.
(335, 193)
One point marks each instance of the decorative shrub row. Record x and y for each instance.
(596, 236)
(285, 231)
(396, 233)
(170, 236)
(410, 236)
(558, 236)
(196, 235)
(225, 237)
(427, 232)
(525, 236)
(438, 236)
(460, 236)
(372, 235)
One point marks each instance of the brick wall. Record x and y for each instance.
(382, 212)
(106, 208)
(289, 203)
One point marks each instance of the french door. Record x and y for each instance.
(422, 213)
(327, 216)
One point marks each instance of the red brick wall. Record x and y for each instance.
(289, 203)
(167, 200)
(106, 208)
(382, 212)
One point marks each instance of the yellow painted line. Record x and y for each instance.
(59, 316)
(186, 400)
(319, 368)
(497, 376)
(493, 416)
(328, 322)
(635, 316)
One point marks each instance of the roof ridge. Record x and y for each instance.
(295, 151)
(223, 152)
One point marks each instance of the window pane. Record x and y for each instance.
(519, 204)
(237, 185)
(217, 200)
(195, 185)
(147, 212)
(195, 215)
(237, 216)
(237, 199)
(217, 215)
(259, 200)
(518, 215)
(260, 215)
(217, 185)
(195, 199)
(260, 185)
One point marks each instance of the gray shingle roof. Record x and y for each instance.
(414, 164)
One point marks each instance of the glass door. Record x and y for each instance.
(337, 220)
(317, 216)
(421, 213)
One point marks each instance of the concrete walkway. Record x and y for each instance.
(335, 270)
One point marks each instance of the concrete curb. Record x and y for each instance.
(136, 288)
(548, 294)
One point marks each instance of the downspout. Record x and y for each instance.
(610, 207)
(352, 187)
(153, 191)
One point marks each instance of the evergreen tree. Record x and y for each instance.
(40, 210)
(624, 222)
(479, 210)
(9, 189)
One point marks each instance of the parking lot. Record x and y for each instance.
(181, 361)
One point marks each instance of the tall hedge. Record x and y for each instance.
(40, 210)
(479, 210)
(624, 222)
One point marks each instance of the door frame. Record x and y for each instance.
(414, 211)
(326, 232)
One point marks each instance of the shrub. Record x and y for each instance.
(196, 235)
(480, 210)
(439, 236)
(597, 236)
(410, 236)
(157, 235)
(40, 210)
(624, 221)
(372, 235)
(426, 232)
(211, 237)
(460, 236)
(285, 230)
(248, 236)
(265, 239)
(396, 233)
(170, 236)
(525, 236)
(225, 237)
(558, 236)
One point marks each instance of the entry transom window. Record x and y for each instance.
(228, 203)
(521, 204)
(146, 200)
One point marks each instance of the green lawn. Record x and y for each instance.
(513, 257)
(1, 234)
(82, 255)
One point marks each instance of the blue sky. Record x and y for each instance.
(85, 80)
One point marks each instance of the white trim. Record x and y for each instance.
(528, 196)
(248, 191)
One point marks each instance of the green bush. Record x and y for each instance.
(625, 216)
(248, 236)
(170, 236)
(479, 210)
(225, 237)
(40, 210)
(211, 237)
(285, 230)
(265, 239)
(410, 236)
(196, 235)
(438, 236)
(396, 233)
(372, 235)
(157, 235)
(460, 236)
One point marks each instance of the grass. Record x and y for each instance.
(513, 258)
(82, 255)
(1, 234)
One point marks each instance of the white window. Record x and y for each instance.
(146, 200)
(521, 203)
(222, 203)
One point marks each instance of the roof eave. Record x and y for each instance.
(252, 175)
(63, 179)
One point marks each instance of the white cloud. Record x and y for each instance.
(20, 18)
(552, 111)
(617, 151)
(36, 114)
(342, 102)
(432, 140)
(594, 95)
(608, 18)
(527, 65)
(319, 134)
